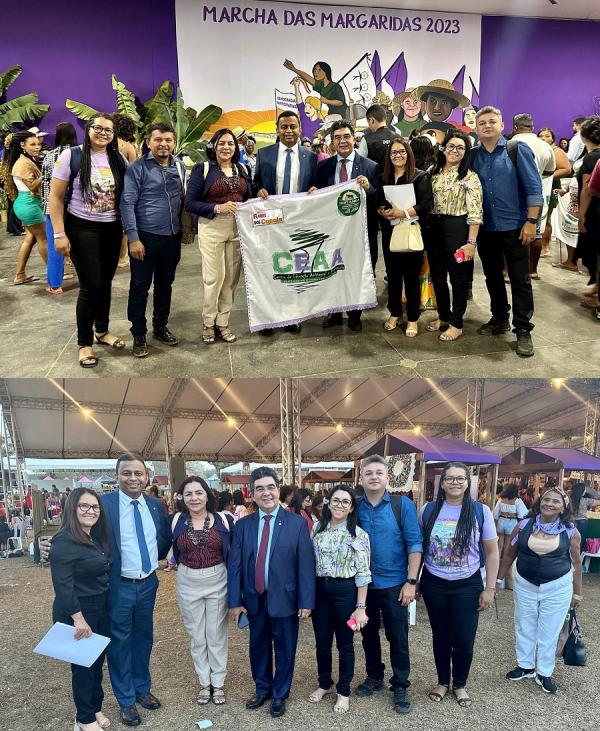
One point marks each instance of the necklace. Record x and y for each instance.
(198, 537)
(232, 181)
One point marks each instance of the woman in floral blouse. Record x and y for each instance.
(454, 224)
(343, 556)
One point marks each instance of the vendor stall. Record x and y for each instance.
(415, 461)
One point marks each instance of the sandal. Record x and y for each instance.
(342, 704)
(218, 696)
(112, 341)
(412, 330)
(54, 290)
(203, 696)
(25, 280)
(317, 695)
(208, 335)
(225, 334)
(391, 323)
(451, 334)
(464, 701)
(438, 697)
(437, 325)
(103, 722)
(87, 360)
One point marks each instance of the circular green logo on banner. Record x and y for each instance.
(348, 202)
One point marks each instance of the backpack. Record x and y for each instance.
(479, 515)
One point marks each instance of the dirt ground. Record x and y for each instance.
(35, 691)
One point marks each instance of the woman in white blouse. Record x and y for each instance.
(343, 557)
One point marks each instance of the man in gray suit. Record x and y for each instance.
(285, 167)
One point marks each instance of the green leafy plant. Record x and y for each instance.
(21, 109)
(189, 125)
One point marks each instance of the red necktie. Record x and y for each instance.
(259, 577)
(343, 171)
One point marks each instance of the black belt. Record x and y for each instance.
(137, 581)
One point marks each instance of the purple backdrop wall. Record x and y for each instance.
(524, 62)
(134, 40)
(546, 67)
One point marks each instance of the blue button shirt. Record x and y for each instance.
(152, 197)
(261, 524)
(507, 192)
(389, 548)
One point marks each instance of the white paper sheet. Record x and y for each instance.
(59, 643)
(402, 196)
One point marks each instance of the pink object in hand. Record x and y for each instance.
(353, 624)
(459, 256)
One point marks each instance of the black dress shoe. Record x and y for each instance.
(140, 346)
(266, 333)
(130, 716)
(165, 336)
(334, 319)
(277, 707)
(355, 325)
(256, 701)
(147, 700)
(294, 329)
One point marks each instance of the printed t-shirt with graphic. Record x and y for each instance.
(102, 206)
(441, 559)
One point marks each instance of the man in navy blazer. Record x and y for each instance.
(133, 585)
(276, 175)
(271, 579)
(347, 164)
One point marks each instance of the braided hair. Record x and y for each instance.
(12, 152)
(115, 160)
(467, 522)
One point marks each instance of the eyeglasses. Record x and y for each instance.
(398, 153)
(269, 488)
(87, 508)
(102, 130)
(455, 148)
(337, 503)
(339, 138)
(456, 480)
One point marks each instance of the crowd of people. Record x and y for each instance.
(475, 192)
(355, 560)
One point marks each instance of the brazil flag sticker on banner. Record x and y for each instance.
(311, 259)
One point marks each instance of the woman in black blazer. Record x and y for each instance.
(79, 564)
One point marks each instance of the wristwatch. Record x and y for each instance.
(532, 220)
(412, 582)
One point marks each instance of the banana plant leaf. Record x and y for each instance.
(126, 101)
(208, 116)
(22, 109)
(8, 77)
(81, 110)
(181, 123)
(158, 109)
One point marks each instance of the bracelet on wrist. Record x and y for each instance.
(361, 606)
(472, 241)
(60, 235)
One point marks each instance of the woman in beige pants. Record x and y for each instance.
(214, 190)
(201, 539)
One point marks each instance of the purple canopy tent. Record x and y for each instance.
(543, 459)
(434, 449)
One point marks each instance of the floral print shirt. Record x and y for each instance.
(454, 197)
(340, 555)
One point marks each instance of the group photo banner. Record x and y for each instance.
(305, 255)
(256, 59)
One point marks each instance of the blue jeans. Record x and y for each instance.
(56, 262)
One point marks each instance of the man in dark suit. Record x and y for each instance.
(285, 167)
(140, 536)
(271, 579)
(345, 165)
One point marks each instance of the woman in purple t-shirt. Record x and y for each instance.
(90, 230)
(456, 530)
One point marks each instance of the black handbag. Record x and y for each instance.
(574, 650)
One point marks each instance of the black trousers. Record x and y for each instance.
(87, 682)
(95, 254)
(453, 616)
(161, 257)
(447, 234)
(373, 219)
(496, 247)
(334, 603)
(403, 270)
(383, 603)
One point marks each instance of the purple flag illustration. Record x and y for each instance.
(376, 70)
(397, 74)
(458, 83)
(474, 94)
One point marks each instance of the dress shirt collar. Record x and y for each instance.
(282, 148)
(125, 500)
(350, 159)
(262, 514)
(150, 156)
(339, 526)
